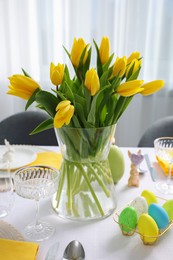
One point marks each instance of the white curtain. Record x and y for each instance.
(34, 31)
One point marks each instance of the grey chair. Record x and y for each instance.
(160, 128)
(16, 129)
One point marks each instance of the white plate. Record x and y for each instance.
(21, 157)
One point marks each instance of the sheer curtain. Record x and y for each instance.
(34, 31)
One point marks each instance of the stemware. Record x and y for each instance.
(164, 153)
(37, 182)
(6, 184)
(6, 195)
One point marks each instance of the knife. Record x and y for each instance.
(52, 251)
(150, 168)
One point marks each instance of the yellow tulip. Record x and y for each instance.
(104, 50)
(135, 64)
(152, 87)
(76, 52)
(92, 81)
(119, 67)
(130, 88)
(56, 73)
(64, 113)
(133, 55)
(22, 86)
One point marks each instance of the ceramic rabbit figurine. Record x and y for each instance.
(136, 159)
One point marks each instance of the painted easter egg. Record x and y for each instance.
(168, 206)
(149, 196)
(128, 220)
(159, 214)
(140, 204)
(147, 229)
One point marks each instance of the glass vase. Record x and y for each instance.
(86, 189)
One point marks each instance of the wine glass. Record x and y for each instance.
(37, 182)
(164, 153)
(6, 195)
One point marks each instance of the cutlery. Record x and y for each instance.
(52, 251)
(150, 168)
(74, 251)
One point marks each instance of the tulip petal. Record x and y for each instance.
(152, 87)
(104, 50)
(56, 73)
(22, 86)
(130, 88)
(64, 113)
(133, 55)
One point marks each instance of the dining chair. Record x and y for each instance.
(160, 128)
(17, 128)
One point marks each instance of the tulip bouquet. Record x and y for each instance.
(90, 101)
(94, 97)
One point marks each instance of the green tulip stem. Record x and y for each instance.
(106, 191)
(69, 191)
(60, 186)
(92, 191)
(100, 168)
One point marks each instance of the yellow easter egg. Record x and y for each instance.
(168, 206)
(149, 196)
(148, 229)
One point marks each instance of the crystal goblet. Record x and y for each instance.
(6, 196)
(164, 153)
(37, 182)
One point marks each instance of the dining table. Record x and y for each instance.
(102, 239)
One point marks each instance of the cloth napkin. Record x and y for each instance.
(52, 159)
(17, 250)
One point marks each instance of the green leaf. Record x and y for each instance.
(104, 78)
(92, 114)
(79, 99)
(102, 108)
(67, 75)
(59, 94)
(110, 110)
(82, 56)
(122, 104)
(103, 115)
(80, 113)
(87, 63)
(75, 121)
(69, 55)
(127, 102)
(66, 91)
(32, 99)
(47, 124)
(25, 73)
(134, 75)
(99, 64)
(116, 83)
(48, 101)
(87, 97)
(106, 65)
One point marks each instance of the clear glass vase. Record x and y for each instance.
(86, 189)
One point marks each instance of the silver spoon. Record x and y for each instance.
(74, 251)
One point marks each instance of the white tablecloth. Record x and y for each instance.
(102, 240)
